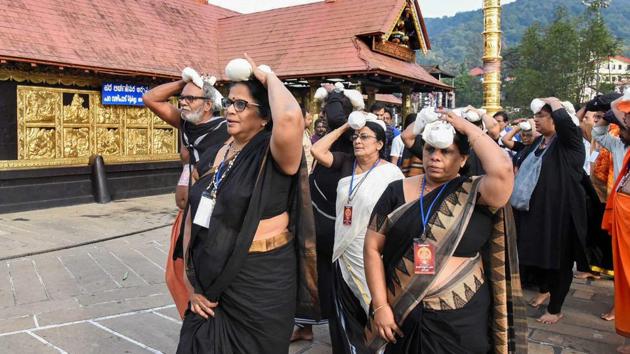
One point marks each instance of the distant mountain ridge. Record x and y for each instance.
(457, 39)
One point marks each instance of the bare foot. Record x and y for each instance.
(624, 349)
(609, 316)
(302, 333)
(548, 318)
(586, 275)
(539, 299)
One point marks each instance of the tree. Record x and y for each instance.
(467, 88)
(560, 59)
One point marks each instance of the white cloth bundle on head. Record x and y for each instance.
(439, 134)
(358, 120)
(536, 105)
(568, 106)
(239, 69)
(355, 97)
(206, 83)
(525, 126)
(425, 116)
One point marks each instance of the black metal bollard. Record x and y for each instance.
(99, 180)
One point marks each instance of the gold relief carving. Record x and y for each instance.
(163, 141)
(108, 141)
(40, 143)
(75, 112)
(51, 134)
(137, 142)
(76, 142)
(39, 106)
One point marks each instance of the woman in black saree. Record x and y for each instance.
(447, 281)
(250, 250)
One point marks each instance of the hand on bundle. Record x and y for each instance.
(458, 122)
(191, 75)
(202, 306)
(260, 72)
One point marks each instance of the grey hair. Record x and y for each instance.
(213, 94)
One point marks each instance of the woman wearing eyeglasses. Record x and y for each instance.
(440, 264)
(250, 250)
(364, 176)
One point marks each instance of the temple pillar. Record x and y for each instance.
(406, 102)
(313, 106)
(492, 56)
(371, 96)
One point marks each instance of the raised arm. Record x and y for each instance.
(288, 123)
(507, 138)
(496, 186)
(408, 137)
(568, 133)
(321, 149)
(157, 100)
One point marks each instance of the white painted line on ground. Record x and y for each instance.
(148, 259)
(128, 267)
(167, 317)
(12, 284)
(41, 281)
(124, 314)
(143, 346)
(111, 277)
(35, 321)
(83, 290)
(160, 250)
(46, 342)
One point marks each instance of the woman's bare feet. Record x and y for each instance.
(609, 316)
(586, 275)
(539, 299)
(548, 318)
(302, 333)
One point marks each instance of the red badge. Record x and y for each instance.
(423, 258)
(347, 215)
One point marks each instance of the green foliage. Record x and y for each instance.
(458, 39)
(558, 60)
(468, 88)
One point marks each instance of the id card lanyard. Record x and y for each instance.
(352, 191)
(209, 195)
(423, 251)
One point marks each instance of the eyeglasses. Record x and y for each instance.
(239, 105)
(190, 98)
(363, 137)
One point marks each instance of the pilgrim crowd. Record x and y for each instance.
(416, 240)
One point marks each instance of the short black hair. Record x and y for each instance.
(546, 108)
(380, 135)
(502, 114)
(462, 143)
(376, 106)
(305, 110)
(261, 96)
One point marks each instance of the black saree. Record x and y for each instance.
(480, 308)
(258, 293)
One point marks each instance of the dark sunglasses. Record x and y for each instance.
(190, 98)
(239, 105)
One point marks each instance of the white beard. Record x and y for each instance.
(193, 117)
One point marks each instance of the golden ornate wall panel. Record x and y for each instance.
(59, 127)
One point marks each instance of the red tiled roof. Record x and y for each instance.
(142, 36)
(388, 98)
(622, 58)
(476, 71)
(159, 37)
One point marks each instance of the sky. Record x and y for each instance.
(429, 8)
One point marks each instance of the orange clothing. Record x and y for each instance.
(175, 271)
(617, 222)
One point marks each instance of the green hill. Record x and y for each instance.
(457, 39)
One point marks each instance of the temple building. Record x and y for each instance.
(72, 78)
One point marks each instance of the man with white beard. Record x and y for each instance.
(198, 101)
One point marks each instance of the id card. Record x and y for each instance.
(593, 156)
(347, 215)
(204, 211)
(423, 257)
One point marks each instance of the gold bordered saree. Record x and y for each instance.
(495, 270)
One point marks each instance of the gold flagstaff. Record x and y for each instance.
(492, 56)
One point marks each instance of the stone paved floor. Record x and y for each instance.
(110, 296)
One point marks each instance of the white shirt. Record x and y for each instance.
(397, 147)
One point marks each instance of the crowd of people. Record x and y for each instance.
(402, 241)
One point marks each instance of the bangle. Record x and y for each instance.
(378, 308)
(474, 140)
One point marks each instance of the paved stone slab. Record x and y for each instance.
(142, 267)
(148, 328)
(7, 295)
(87, 338)
(122, 294)
(88, 274)
(58, 281)
(13, 324)
(114, 268)
(24, 344)
(26, 282)
(170, 312)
